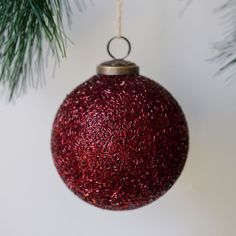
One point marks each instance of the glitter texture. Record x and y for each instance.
(119, 142)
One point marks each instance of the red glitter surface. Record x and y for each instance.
(119, 142)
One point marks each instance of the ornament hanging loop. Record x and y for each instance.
(118, 66)
(119, 35)
(120, 38)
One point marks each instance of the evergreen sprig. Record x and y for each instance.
(226, 48)
(26, 27)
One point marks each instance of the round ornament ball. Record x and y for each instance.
(119, 140)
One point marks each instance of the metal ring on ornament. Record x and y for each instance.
(109, 44)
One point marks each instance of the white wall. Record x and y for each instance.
(171, 49)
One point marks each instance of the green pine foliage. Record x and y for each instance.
(26, 27)
(226, 48)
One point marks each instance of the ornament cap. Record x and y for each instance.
(118, 67)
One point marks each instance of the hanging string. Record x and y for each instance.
(119, 18)
(119, 32)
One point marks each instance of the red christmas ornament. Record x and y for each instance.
(119, 140)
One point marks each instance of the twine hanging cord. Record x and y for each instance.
(119, 18)
(119, 32)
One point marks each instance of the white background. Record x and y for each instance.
(171, 49)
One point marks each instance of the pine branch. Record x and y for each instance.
(226, 49)
(26, 26)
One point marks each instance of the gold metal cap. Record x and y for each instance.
(118, 67)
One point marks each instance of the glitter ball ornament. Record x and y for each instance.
(119, 140)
